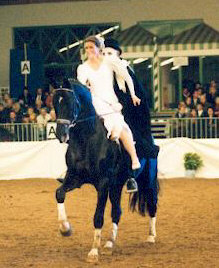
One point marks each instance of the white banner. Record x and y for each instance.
(46, 159)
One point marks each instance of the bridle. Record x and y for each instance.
(72, 123)
(69, 123)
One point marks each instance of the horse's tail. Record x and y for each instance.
(145, 200)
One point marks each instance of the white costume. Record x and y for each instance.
(104, 98)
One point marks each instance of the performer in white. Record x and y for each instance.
(97, 73)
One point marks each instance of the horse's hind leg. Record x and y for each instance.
(115, 198)
(152, 200)
(64, 225)
(102, 189)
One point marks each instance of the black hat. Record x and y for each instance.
(113, 44)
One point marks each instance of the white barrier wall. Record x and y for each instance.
(46, 159)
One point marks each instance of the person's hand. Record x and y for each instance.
(136, 101)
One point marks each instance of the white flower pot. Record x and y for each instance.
(190, 173)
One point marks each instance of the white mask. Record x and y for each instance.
(109, 52)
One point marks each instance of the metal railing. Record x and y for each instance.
(23, 132)
(195, 128)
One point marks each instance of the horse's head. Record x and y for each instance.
(67, 108)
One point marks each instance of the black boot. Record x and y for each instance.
(132, 186)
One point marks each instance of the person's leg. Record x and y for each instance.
(128, 142)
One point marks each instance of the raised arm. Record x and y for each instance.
(120, 69)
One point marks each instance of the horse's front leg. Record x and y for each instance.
(93, 255)
(115, 198)
(64, 225)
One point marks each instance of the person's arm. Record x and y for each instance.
(81, 75)
(121, 70)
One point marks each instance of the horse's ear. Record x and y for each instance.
(66, 83)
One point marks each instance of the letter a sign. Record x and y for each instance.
(25, 67)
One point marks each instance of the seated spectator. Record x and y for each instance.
(40, 97)
(33, 118)
(30, 111)
(6, 96)
(204, 102)
(212, 94)
(200, 111)
(211, 120)
(193, 113)
(12, 118)
(49, 98)
(18, 111)
(216, 111)
(211, 123)
(8, 108)
(38, 106)
(186, 93)
(26, 99)
(52, 116)
(181, 113)
(195, 99)
(197, 86)
(2, 113)
(192, 123)
(188, 102)
(42, 120)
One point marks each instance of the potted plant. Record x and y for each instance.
(192, 162)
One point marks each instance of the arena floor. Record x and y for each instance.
(186, 226)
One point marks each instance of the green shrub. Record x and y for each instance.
(192, 161)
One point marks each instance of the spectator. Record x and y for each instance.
(216, 112)
(38, 106)
(200, 111)
(6, 96)
(181, 113)
(188, 102)
(212, 94)
(18, 111)
(204, 102)
(210, 123)
(197, 86)
(49, 99)
(26, 99)
(8, 108)
(33, 118)
(42, 120)
(30, 111)
(52, 116)
(195, 99)
(186, 93)
(192, 123)
(2, 114)
(40, 97)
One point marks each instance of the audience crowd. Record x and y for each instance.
(198, 102)
(201, 108)
(28, 109)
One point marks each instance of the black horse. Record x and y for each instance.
(92, 158)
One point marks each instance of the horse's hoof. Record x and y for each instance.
(151, 239)
(65, 229)
(93, 256)
(108, 248)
